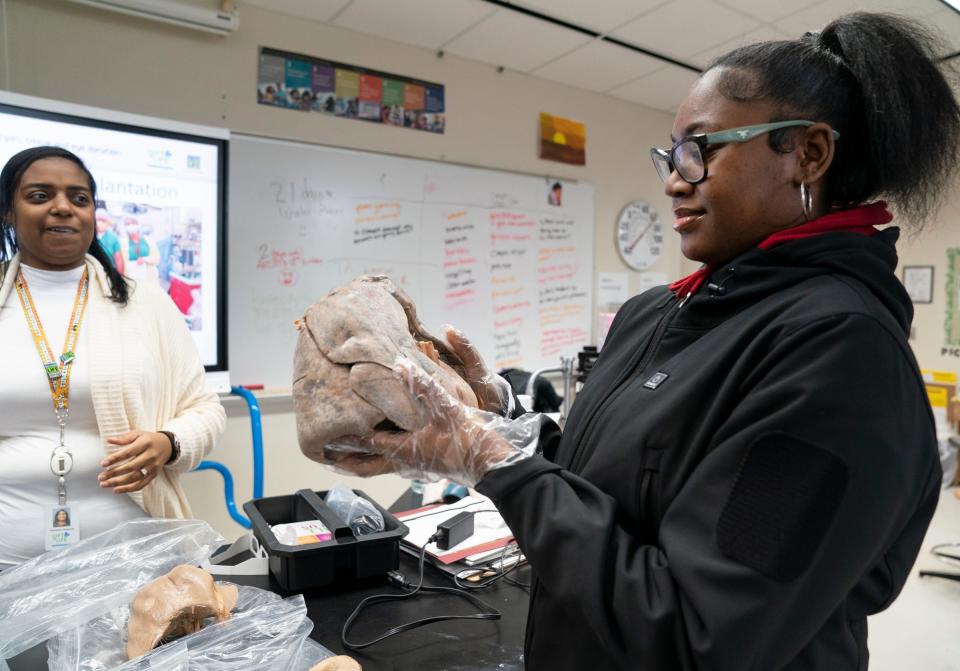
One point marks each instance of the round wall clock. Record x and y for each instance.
(639, 235)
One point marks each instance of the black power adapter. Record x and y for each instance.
(455, 530)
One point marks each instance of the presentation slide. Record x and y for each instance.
(159, 201)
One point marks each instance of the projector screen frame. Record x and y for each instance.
(97, 117)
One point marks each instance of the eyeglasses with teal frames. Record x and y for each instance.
(686, 156)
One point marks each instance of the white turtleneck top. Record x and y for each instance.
(29, 430)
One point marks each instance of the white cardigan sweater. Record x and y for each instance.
(145, 374)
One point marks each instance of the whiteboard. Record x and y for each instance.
(480, 249)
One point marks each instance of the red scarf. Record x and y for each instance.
(861, 220)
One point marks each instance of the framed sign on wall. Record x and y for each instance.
(918, 281)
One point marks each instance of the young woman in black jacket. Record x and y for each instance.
(751, 467)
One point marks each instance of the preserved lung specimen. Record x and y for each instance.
(343, 380)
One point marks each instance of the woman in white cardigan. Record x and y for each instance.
(102, 398)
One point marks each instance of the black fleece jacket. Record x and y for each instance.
(743, 479)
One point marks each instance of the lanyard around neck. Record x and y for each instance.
(56, 369)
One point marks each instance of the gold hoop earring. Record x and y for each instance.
(806, 201)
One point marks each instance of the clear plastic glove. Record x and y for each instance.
(493, 392)
(453, 441)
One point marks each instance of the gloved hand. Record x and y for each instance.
(453, 441)
(493, 392)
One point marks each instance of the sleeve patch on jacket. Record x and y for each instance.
(781, 505)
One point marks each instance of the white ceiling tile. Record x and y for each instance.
(515, 41)
(762, 34)
(681, 28)
(694, 31)
(664, 89)
(914, 8)
(817, 16)
(598, 66)
(813, 18)
(599, 15)
(425, 23)
(316, 10)
(767, 10)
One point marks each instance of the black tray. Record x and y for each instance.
(343, 558)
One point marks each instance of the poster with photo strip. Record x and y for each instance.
(309, 84)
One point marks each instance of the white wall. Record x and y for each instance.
(69, 52)
(928, 248)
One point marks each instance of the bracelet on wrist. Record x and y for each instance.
(174, 446)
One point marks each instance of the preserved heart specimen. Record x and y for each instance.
(174, 605)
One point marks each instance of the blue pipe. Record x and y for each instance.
(227, 490)
(257, 432)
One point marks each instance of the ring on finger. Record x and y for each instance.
(144, 472)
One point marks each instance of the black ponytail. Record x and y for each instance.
(10, 178)
(875, 79)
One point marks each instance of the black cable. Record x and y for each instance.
(951, 558)
(516, 583)
(487, 612)
(939, 574)
(491, 581)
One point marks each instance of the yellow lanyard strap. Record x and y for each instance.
(57, 371)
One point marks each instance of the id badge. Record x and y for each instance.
(62, 528)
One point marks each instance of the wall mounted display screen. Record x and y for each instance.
(160, 199)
